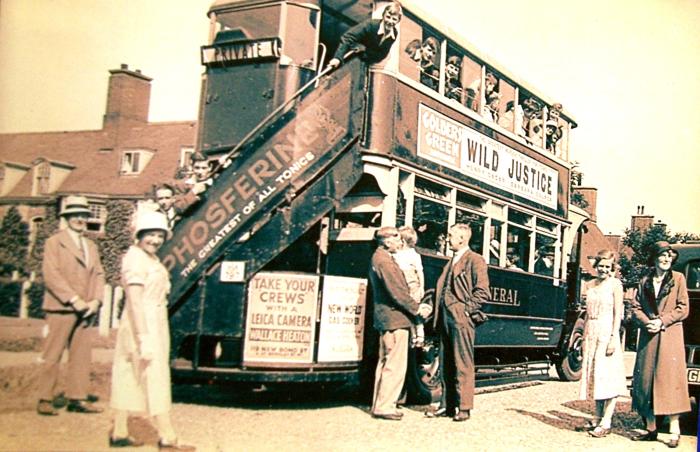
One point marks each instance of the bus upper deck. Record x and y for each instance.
(455, 74)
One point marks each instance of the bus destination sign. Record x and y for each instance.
(240, 52)
(452, 144)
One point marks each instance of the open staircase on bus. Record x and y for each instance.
(272, 187)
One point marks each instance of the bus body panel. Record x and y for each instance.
(394, 126)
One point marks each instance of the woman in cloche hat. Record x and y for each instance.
(141, 370)
(659, 386)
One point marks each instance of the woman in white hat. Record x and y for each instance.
(141, 372)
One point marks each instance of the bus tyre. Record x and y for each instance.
(569, 366)
(423, 375)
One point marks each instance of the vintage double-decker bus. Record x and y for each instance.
(269, 270)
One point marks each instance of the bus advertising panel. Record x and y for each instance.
(452, 144)
(281, 318)
(342, 319)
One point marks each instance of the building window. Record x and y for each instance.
(135, 161)
(185, 153)
(130, 162)
(43, 173)
(98, 216)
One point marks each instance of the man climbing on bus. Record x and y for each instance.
(374, 36)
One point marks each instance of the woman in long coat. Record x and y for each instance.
(141, 368)
(661, 305)
(603, 372)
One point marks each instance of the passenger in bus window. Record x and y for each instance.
(531, 111)
(453, 83)
(554, 129)
(512, 119)
(373, 37)
(544, 263)
(603, 368)
(491, 110)
(474, 91)
(513, 262)
(425, 54)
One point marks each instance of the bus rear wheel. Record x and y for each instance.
(423, 375)
(569, 367)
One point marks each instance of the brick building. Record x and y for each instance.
(122, 160)
(593, 239)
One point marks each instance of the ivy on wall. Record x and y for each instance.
(116, 239)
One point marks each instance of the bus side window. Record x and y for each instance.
(471, 79)
(518, 248)
(420, 54)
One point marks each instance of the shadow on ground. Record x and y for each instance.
(625, 422)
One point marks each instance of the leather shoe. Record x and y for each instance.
(599, 432)
(81, 406)
(45, 408)
(60, 401)
(127, 441)
(175, 446)
(435, 412)
(648, 436)
(461, 416)
(389, 416)
(673, 442)
(587, 427)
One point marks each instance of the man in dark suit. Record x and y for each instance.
(394, 312)
(461, 290)
(375, 36)
(74, 281)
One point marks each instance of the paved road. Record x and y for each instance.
(539, 417)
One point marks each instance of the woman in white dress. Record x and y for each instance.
(141, 369)
(603, 373)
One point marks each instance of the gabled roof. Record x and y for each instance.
(95, 157)
(593, 241)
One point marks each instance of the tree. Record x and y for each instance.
(14, 242)
(634, 265)
(576, 198)
(48, 227)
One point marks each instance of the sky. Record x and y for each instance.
(626, 70)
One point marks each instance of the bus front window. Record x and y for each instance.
(251, 24)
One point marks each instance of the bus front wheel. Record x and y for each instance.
(570, 364)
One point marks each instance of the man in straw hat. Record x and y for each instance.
(74, 281)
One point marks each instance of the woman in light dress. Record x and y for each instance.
(603, 373)
(141, 369)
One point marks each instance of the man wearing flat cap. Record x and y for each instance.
(74, 281)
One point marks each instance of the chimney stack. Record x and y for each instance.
(590, 195)
(128, 96)
(641, 221)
